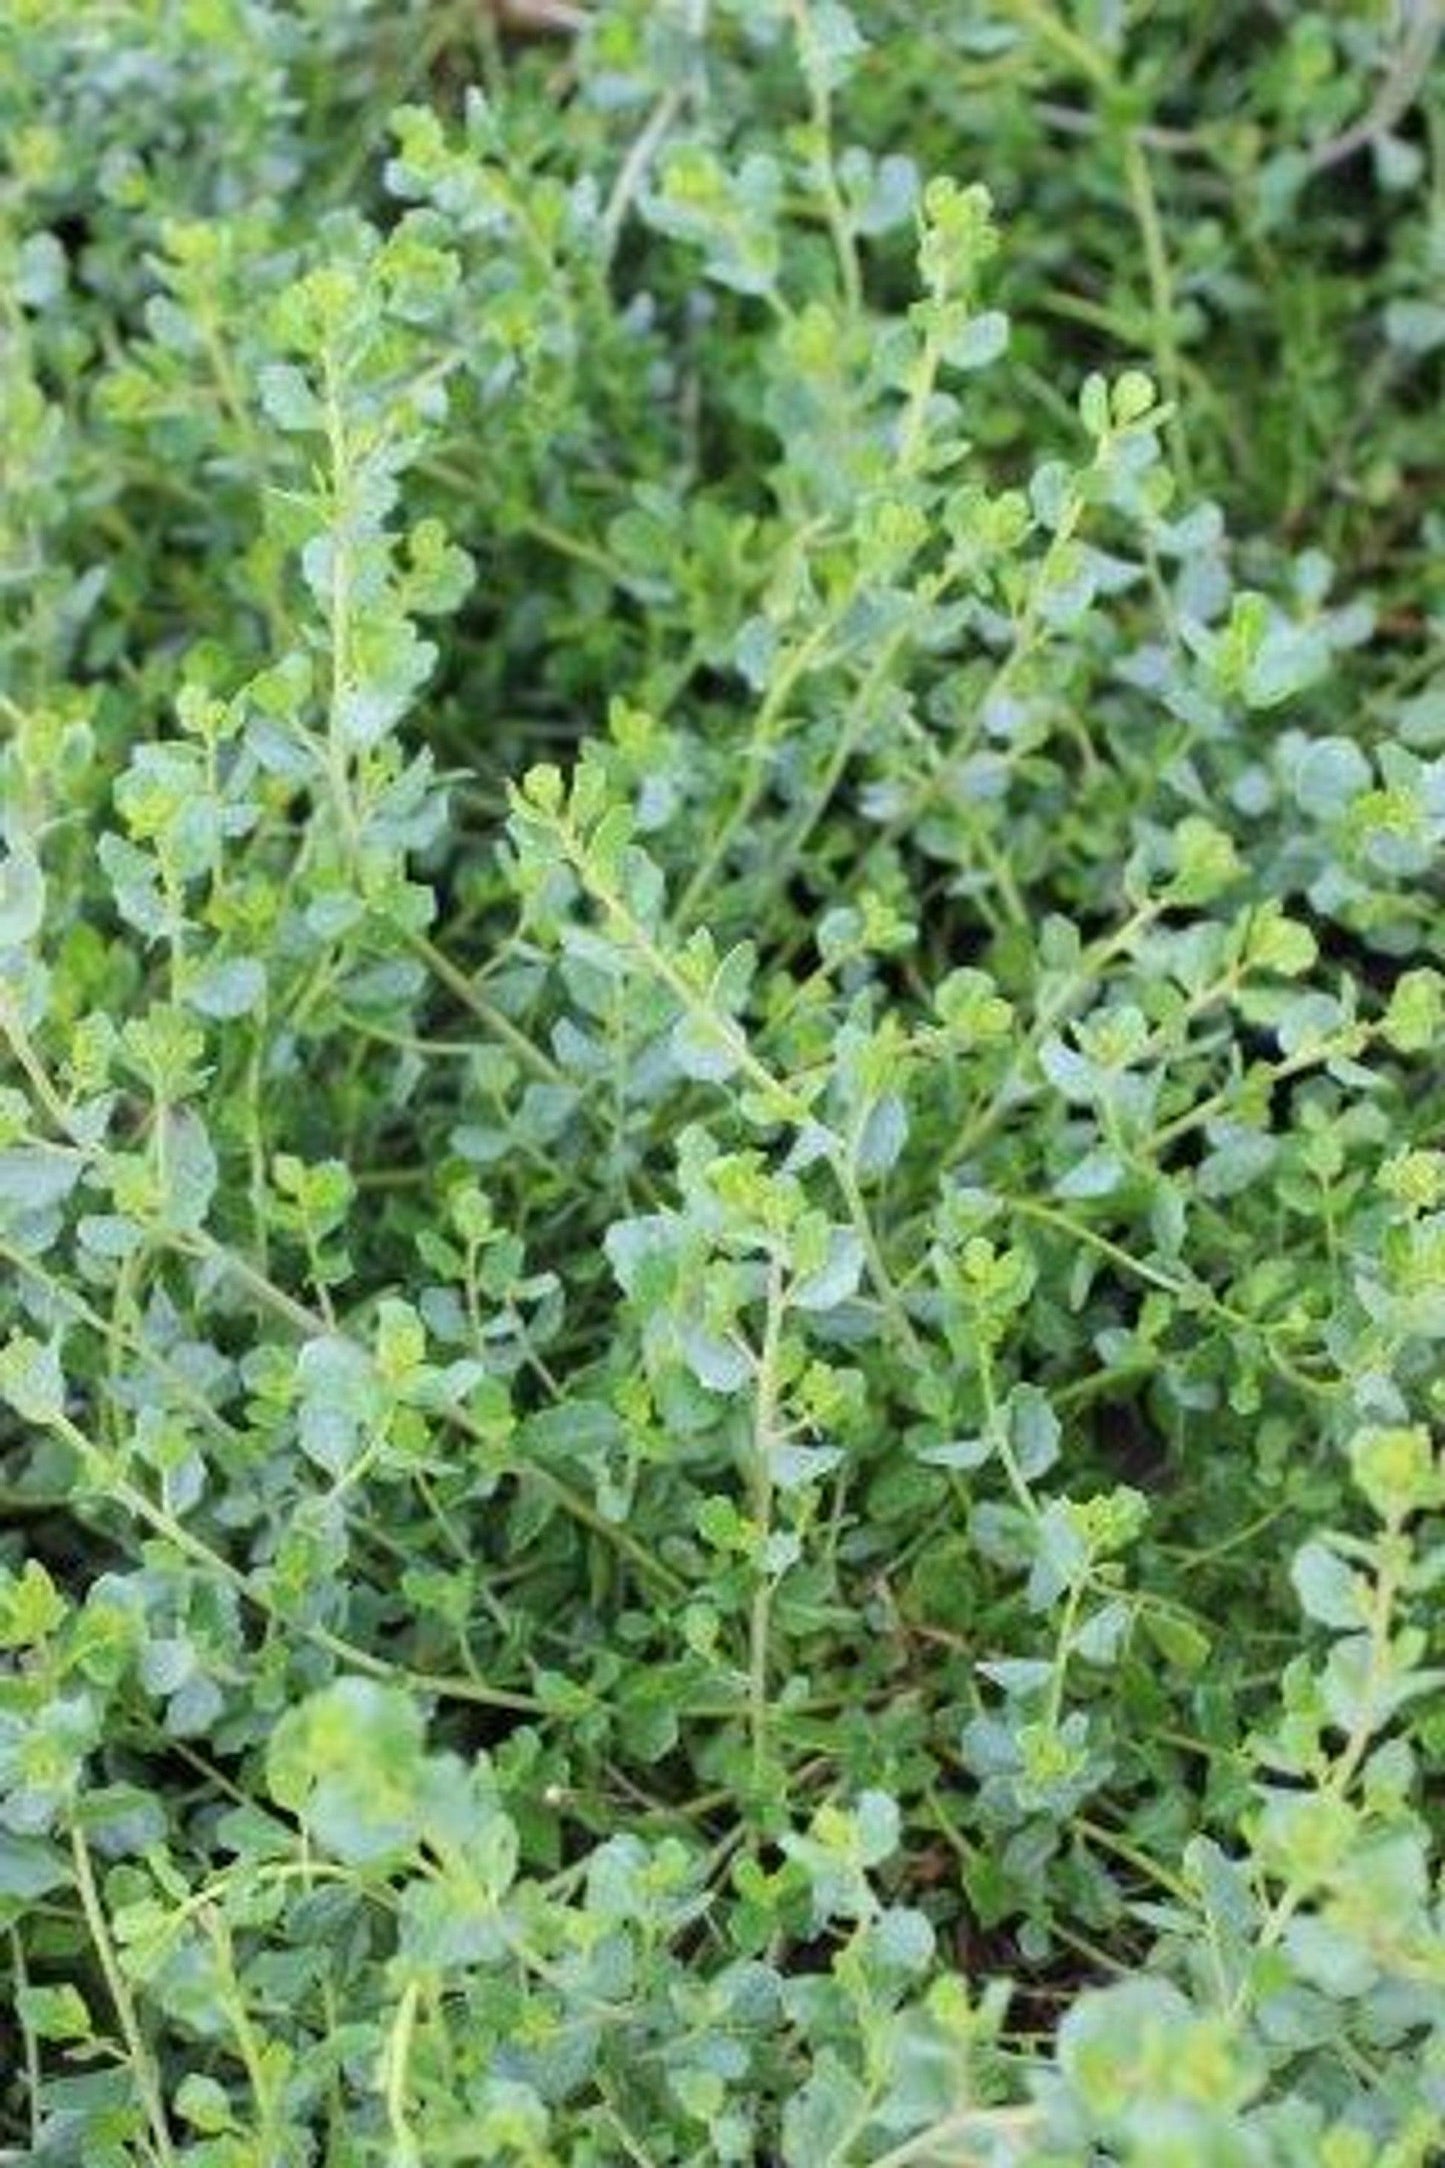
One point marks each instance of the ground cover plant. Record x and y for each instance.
(722, 1194)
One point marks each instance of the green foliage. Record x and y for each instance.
(722, 769)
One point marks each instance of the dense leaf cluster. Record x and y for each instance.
(722, 1199)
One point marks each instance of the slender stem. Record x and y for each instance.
(835, 210)
(997, 1430)
(630, 2145)
(194, 1547)
(1402, 86)
(860, 710)
(765, 1412)
(804, 657)
(1233, 1542)
(1029, 631)
(1145, 206)
(884, 1285)
(147, 2081)
(633, 172)
(501, 1027)
(32, 1068)
(263, 2091)
(1074, 50)
(313, 1324)
(553, 537)
(924, 2148)
(777, 1090)
(1059, 1680)
(1313, 1056)
(397, 2057)
(339, 610)
(921, 388)
(30, 2048)
(1109, 1840)
(1343, 1769)
(1051, 1012)
(1187, 1291)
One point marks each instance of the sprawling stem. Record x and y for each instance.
(143, 2068)
(765, 1411)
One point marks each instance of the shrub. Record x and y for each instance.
(720, 1183)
